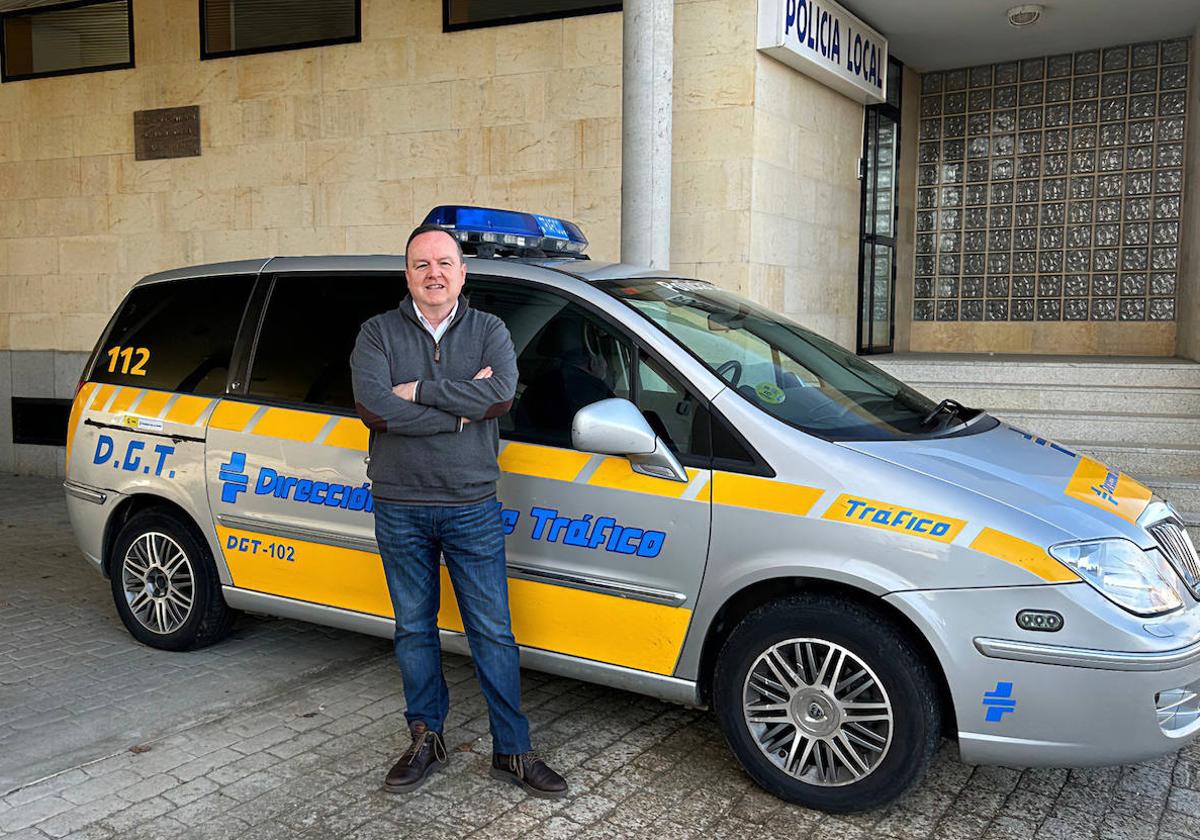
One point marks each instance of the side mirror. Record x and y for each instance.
(616, 427)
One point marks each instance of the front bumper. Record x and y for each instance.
(1024, 699)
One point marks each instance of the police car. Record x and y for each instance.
(704, 502)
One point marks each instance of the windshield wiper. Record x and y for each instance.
(953, 407)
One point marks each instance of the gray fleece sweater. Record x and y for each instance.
(421, 452)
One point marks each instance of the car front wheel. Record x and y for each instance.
(825, 704)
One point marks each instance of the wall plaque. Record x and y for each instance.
(166, 133)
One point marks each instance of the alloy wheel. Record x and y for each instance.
(158, 582)
(818, 712)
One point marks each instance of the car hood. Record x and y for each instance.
(1066, 489)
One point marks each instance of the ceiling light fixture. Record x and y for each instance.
(1025, 15)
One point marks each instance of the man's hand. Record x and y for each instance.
(483, 373)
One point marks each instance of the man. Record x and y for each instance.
(430, 378)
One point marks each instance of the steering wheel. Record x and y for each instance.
(731, 372)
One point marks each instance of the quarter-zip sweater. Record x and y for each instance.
(421, 451)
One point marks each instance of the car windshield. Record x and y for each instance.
(784, 369)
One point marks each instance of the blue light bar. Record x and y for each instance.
(509, 229)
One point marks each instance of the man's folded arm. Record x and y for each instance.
(380, 409)
(477, 399)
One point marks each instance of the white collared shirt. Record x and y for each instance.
(437, 333)
(440, 330)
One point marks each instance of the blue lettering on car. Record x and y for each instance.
(1049, 444)
(1108, 488)
(599, 533)
(131, 460)
(270, 482)
(602, 532)
(895, 519)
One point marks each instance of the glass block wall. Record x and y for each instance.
(1050, 189)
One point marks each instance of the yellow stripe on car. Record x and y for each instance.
(232, 416)
(101, 398)
(348, 433)
(186, 409)
(542, 461)
(617, 474)
(153, 403)
(859, 510)
(77, 408)
(1109, 490)
(1032, 558)
(591, 625)
(124, 399)
(288, 424)
(756, 493)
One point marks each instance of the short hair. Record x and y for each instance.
(431, 228)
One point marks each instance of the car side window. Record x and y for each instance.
(685, 422)
(176, 335)
(672, 412)
(308, 330)
(566, 359)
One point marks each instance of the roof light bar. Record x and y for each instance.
(509, 229)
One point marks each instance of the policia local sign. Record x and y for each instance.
(823, 40)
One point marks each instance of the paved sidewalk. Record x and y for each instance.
(286, 730)
(74, 684)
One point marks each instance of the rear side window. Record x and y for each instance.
(303, 350)
(175, 336)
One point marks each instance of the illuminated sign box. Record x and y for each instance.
(822, 40)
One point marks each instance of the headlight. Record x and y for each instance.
(1139, 581)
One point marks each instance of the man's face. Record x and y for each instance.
(435, 272)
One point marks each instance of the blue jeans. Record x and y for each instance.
(471, 538)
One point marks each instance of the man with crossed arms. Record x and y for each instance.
(430, 380)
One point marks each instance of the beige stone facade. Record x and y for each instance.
(342, 149)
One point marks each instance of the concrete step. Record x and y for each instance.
(1143, 459)
(1052, 370)
(1130, 399)
(1192, 520)
(1182, 493)
(1161, 429)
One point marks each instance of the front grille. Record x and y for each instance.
(1177, 546)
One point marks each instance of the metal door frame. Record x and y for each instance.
(863, 343)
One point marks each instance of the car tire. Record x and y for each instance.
(165, 584)
(788, 654)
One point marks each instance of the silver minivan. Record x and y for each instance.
(704, 502)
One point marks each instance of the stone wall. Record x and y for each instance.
(806, 201)
(336, 149)
(713, 125)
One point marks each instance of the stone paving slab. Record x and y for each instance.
(67, 662)
(303, 754)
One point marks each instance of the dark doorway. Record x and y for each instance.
(877, 247)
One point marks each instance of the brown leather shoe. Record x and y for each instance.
(426, 754)
(529, 772)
